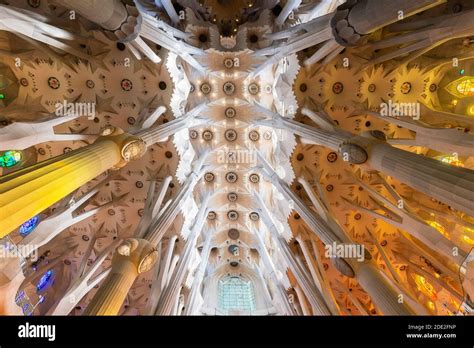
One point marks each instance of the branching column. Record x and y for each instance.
(27, 192)
(449, 184)
(133, 257)
(168, 298)
(191, 307)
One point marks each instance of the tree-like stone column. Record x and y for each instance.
(133, 257)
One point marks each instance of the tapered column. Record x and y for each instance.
(367, 16)
(168, 298)
(21, 135)
(381, 292)
(83, 281)
(159, 226)
(133, 257)
(311, 291)
(314, 296)
(109, 14)
(449, 184)
(287, 9)
(191, 306)
(27, 192)
(302, 300)
(280, 290)
(332, 234)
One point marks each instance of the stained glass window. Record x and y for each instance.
(466, 87)
(10, 158)
(236, 295)
(462, 87)
(29, 226)
(45, 281)
(450, 159)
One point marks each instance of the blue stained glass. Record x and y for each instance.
(27, 309)
(29, 226)
(10, 158)
(45, 281)
(19, 296)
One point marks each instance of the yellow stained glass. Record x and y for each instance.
(462, 87)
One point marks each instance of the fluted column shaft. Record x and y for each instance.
(381, 292)
(161, 132)
(367, 16)
(280, 291)
(387, 299)
(302, 300)
(198, 277)
(27, 192)
(449, 184)
(133, 257)
(168, 298)
(312, 292)
(109, 14)
(159, 227)
(314, 296)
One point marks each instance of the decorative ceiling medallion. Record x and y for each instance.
(54, 83)
(254, 135)
(233, 249)
(230, 112)
(206, 88)
(254, 89)
(90, 84)
(230, 135)
(209, 177)
(193, 134)
(233, 234)
(232, 197)
(207, 135)
(254, 178)
(229, 88)
(337, 88)
(232, 215)
(267, 135)
(254, 216)
(231, 177)
(229, 63)
(331, 157)
(126, 85)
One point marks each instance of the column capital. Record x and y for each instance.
(132, 147)
(140, 252)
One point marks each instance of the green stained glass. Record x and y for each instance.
(236, 295)
(10, 158)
